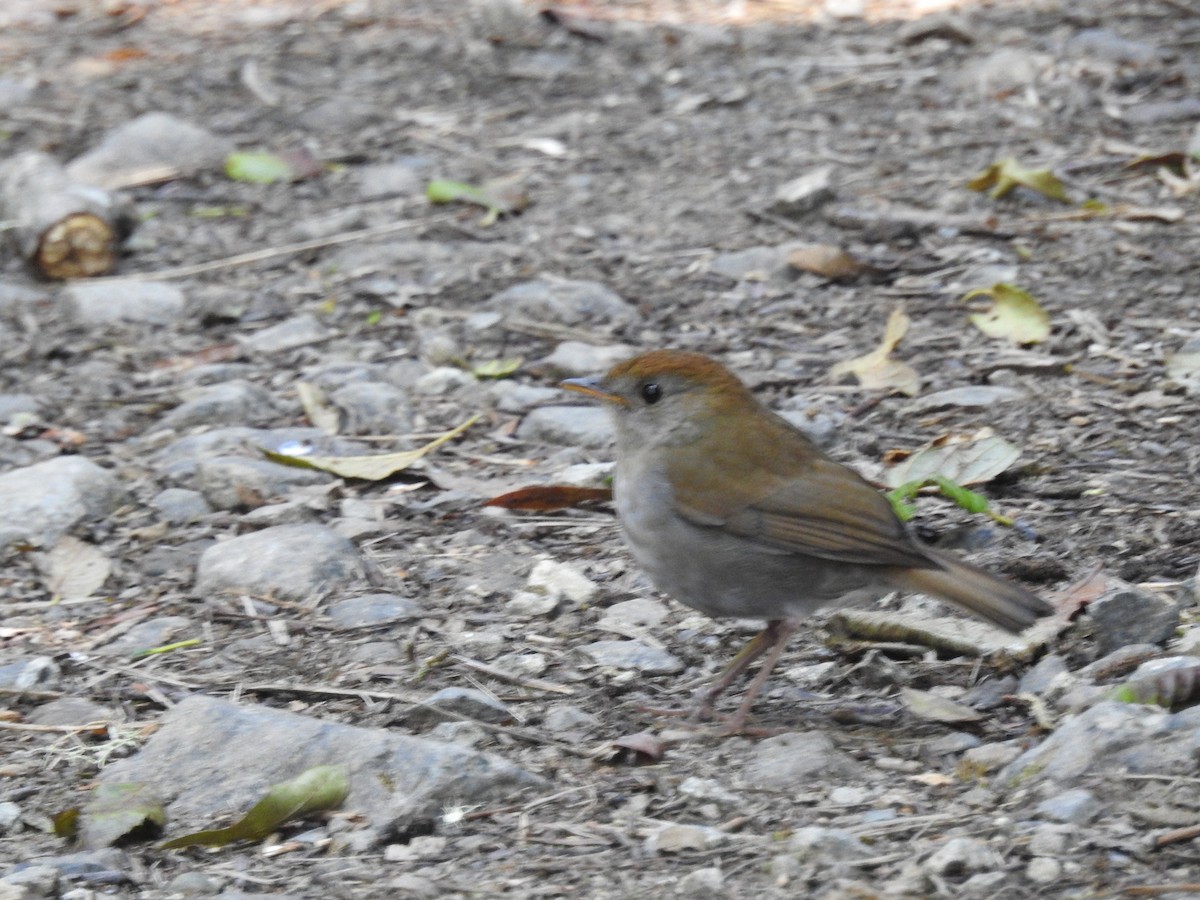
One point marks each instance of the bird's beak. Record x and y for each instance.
(591, 387)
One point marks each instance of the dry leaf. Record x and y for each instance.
(1002, 177)
(544, 498)
(963, 459)
(827, 261)
(75, 569)
(877, 370)
(1014, 315)
(933, 708)
(317, 407)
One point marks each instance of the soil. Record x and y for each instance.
(651, 139)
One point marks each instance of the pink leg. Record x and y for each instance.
(781, 632)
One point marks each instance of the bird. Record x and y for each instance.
(735, 512)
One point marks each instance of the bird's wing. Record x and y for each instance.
(799, 500)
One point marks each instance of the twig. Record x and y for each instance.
(1157, 890)
(54, 729)
(536, 684)
(29, 694)
(1177, 835)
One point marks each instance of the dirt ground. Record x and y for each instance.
(652, 139)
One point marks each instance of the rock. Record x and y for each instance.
(72, 711)
(211, 756)
(1104, 43)
(706, 882)
(41, 673)
(149, 634)
(1074, 807)
(1131, 616)
(570, 723)
(24, 406)
(597, 475)
(1052, 839)
(565, 302)
(234, 402)
(707, 789)
(639, 613)
(444, 381)
(10, 815)
(630, 655)
(1042, 870)
(786, 761)
(822, 846)
(371, 610)
(371, 407)
(457, 702)
(525, 665)
(575, 426)
(155, 140)
(962, 856)
(109, 302)
(194, 884)
(42, 502)
(34, 881)
(754, 263)
(106, 864)
(676, 838)
(976, 396)
(515, 397)
(179, 506)
(383, 180)
(801, 196)
(294, 562)
(989, 757)
(1040, 678)
(559, 579)
(572, 359)
(287, 335)
(238, 482)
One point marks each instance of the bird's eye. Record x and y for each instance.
(651, 393)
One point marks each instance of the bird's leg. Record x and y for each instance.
(776, 636)
(758, 645)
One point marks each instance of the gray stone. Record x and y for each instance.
(575, 426)
(83, 863)
(677, 838)
(41, 673)
(976, 396)
(754, 263)
(962, 856)
(1043, 870)
(705, 882)
(1104, 43)
(179, 506)
(211, 756)
(516, 397)
(35, 880)
(10, 815)
(42, 502)
(71, 711)
(989, 757)
(294, 562)
(560, 579)
(383, 180)
(572, 359)
(371, 407)
(1052, 839)
(456, 701)
(444, 381)
(372, 610)
(155, 140)
(23, 405)
(237, 482)
(108, 302)
(1043, 674)
(195, 884)
(1074, 807)
(789, 761)
(820, 845)
(570, 723)
(234, 402)
(800, 196)
(631, 655)
(289, 334)
(1132, 616)
(638, 613)
(565, 302)
(149, 634)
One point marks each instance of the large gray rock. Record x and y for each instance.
(211, 757)
(42, 502)
(294, 562)
(574, 426)
(110, 302)
(235, 482)
(564, 301)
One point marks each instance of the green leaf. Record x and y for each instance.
(499, 196)
(1002, 177)
(319, 788)
(498, 368)
(368, 468)
(1015, 315)
(258, 168)
(121, 812)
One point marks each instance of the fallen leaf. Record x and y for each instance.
(645, 747)
(968, 500)
(1015, 315)
(544, 498)
(75, 569)
(499, 196)
(498, 368)
(932, 779)
(1002, 177)
(121, 812)
(877, 370)
(319, 788)
(962, 459)
(258, 168)
(321, 413)
(368, 468)
(827, 261)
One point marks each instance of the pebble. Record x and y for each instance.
(236, 402)
(444, 381)
(10, 815)
(40, 673)
(821, 845)
(527, 665)
(705, 882)
(1075, 807)
(532, 604)
(573, 426)
(980, 396)
(597, 475)
(574, 359)
(707, 789)
(565, 302)
(109, 302)
(18, 405)
(37, 880)
(148, 634)
(633, 655)
(289, 334)
(801, 196)
(180, 506)
(1052, 839)
(676, 838)
(72, 711)
(238, 482)
(1131, 616)
(786, 762)
(989, 757)
(194, 884)
(462, 702)
(42, 502)
(962, 856)
(155, 140)
(515, 397)
(1043, 870)
(372, 407)
(372, 610)
(294, 562)
(570, 723)
(1043, 674)
(384, 180)
(754, 263)
(638, 613)
(560, 579)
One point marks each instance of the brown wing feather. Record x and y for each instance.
(787, 494)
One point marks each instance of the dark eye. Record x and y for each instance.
(651, 393)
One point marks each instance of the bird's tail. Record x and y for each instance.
(980, 593)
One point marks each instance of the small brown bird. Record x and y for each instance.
(733, 511)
